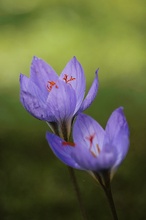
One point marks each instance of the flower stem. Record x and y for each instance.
(77, 191)
(63, 133)
(111, 202)
(104, 180)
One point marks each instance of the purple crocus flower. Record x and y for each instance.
(56, 99)
(94, 149)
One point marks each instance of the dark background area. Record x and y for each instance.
(106, 34)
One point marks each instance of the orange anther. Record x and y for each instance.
(98, 148)
(51, 84)
(68, 80)
(93, 154)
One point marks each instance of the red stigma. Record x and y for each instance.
(64, 143)
(90, 138)
(65, 78)
(50, 85)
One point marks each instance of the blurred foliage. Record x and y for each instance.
(107, 34)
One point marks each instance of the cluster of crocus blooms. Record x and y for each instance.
(59, 100)
(94, 149)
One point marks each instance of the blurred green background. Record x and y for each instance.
(110, 35)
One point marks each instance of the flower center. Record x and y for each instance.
(64, 143)
(67, 79)
(96, 150)
(50, 85)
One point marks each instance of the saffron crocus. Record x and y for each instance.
(56, 99)
(94, 149)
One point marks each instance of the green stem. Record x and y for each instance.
(63, 132)
(111, 202)
(104, 180)
(77, 191)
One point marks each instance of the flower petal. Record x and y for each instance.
(107, 157)
(84, 127)
(118, 132)
(31, 98)
(84, 158)
(75, 77)
(88, 136)
(63, 152)
(41, 73)
(91, 94)
(88, 161)
(61, 101)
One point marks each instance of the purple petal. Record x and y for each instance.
(74, 71)
(89, 137)
(41, 73)
(84, 128)
(107, 157)
(84, 158)
(91, 94)
(31, 98)
(63, 152)
(88, 161)
(118, 133)
(61, 101)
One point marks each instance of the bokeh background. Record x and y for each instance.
(110, 35)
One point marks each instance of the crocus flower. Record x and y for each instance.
(56, 99)
(94, 149)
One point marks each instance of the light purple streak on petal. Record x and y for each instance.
(30, 96)
(74, 69)
(118, 132)
(91, 94)
(122, 146)
(41, 73)
(61, 101)
(84, 127)
(114, 123)
(61, 151)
